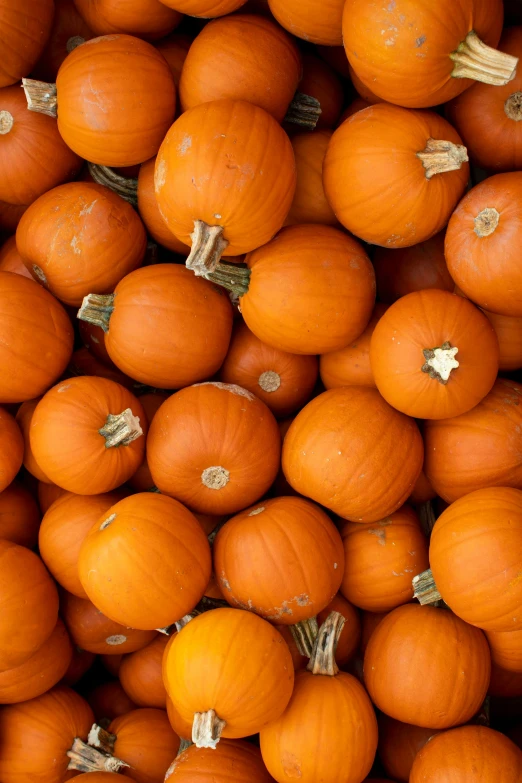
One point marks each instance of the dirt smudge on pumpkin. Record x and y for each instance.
(185, 144)
(229, 387)
(63, 388)
(115, 640)
(160, 175)
(88, 210)
(516, 581)
(224, 582)
(291, 765)
(380, 532)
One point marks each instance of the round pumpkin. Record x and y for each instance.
(80, 664)
(78, 238)
(392, 176)
(205, 8)
(10, 215)
(230, 760)
(310, 204)
(11, 448)
(140, 674)
(68, 31)
(19, 515)
(369, 622)
(109, 701)
(92, 337)
(508, 329)
(10, 259)
(24, 417)
(313, 22)
(83, 362)
(427, 667)
(47, 494)
(24, 33)
(174, 49)
(147, 19)
(506, 649)
(351, 452)
(320, 81)
(348, 642)
(399, 743)
(150, 214)
(142, 480)
(362, 89)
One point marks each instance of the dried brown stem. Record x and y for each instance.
(322, 660)
(305, 110)
(304, 635)
(208, 245)
(83, 758)
(440, 156)
(425, 589)
(121, 429)
(41, 97)
(97, 309)
(475, 60)
(126, 187)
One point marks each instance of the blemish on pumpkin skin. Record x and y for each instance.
(160, 175)
(420, 40)
(379, 532)
(115, 640)
(63, 388)
(516, 581)
(225, 583)
(185, 145)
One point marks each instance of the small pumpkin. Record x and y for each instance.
(108, 701)
(24, 417)
(205, 8)
(11, 448)
(19, 515)
(47, 494)
(140, 674)
(150, 214)
(80, 664)
(362, 89)
(319, 24)
(506, 649)
(399, 744)
(10, 259)
(148, 19)
(142, 480)
(369, 622)
(92, 337)
(25, 31)
(83, 362)
(508, 329)
(310, 204)
(320, 81)
(174, 49)
(231, 759)
(68, 31)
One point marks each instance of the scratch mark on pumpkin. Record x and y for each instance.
(88, 210)
(74, 245)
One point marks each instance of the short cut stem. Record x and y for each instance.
(440, 156)
(475, 60)
(440, 362)
(305, 110)
(6, 122)
(304, 634)
(41, 97)
(425, 589)
(126, 187)
(207, 729)
(322, 660)
(84, 758)
(208, 245)
(97, 309)
(121, 429)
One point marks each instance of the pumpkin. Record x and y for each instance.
(348, 642)
(369, 622)
(80, 664)
(40, 672)
(356, 105)
(300, 657)
(282, 559)
(399, 743)
(505, 684)
(163, 327)
(480, 242)
(68, 31)
(381, 559)
(205, 8)
(10, 215)
(19, 515)
(47, 494)
(284, 381)
(147, 19)
(24, 418)
(80, 237)
(109, 701)
(351, 452)
(487, 116)
(243, 57)
(140, 674)
(37, 338)
(469, 754)
(37, 735)
(303, 742)
(392, 176)
(434, 355)
(222, 146)
(509, 334)
(411, 56)
(214, 447)
(150, 214)
(404, 270)
(145, 594)
(92, 337)
(142, 480)
(362, 89)
(103, 448)
(11, 448)
(319, 24)
(320, 81)
(478, 449)
(506, 649)
(174, 49)
(422, 491)
(83, 362)
(427, 667)
(10, 259)
(230, 760)
(25, 31)
(350, 366)
(310, 204)
(182, 728)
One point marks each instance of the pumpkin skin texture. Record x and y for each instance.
(68, 31)
(11, 448)
(10, 259)
(19, 515)
(146, 741)
(469, 754)
(25, 31)
(148, 19)
(140, 674)
(78, 238)
(320, 279)
(399, 743)
(401, 206)
(321, 82)
(230, 760)
(173, 586)
(150, 214)
(381, 558)
(506, 649)
(509, 334)
(47, 494)
(174, 49)
(319, 24)
(47, 725)
(243, 57)
(433, 388)
(375, 454)
(310, 204)
(441, 667)
(282, 559)
(37, 326)
(118, 70)
(215, 447)
(223, 146)
(72, 413)
(205, 8)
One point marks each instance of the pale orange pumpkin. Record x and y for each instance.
(19, 515)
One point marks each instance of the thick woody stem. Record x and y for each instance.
(305, 634)
(305, 110)
(6, 122)
(425, 589)
(440, 362)
(97, 309)
(126, 187)
(206, 729)
(322, 660)
(208, 245)
(427, 517)
(121, 429)
(475, 60)
(41, 97)
(83, 758)
(440, 156)
(74, 42)
(101, 739)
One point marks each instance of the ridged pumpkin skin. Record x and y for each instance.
(469, 754)
(319, 24)
(140, 674)
(145, 593)
(351, 452)
(37, 338)
(508, 329)
(427, 667)
(205, 8)
(399, 743)
(403, 52)
(201, 664)
(148, 19)
(146, 741)
(310, 204)
(25, 31)
(19, 515)
(11, 448)
(222, 146)
(282, 559)
(312, 290)
(378, 148)
(68, 30)
(230, 760)
(150, 214)
(214, 447)
(24, 417)
(476, 558)
(78, 238)
(11, 260)
(506, 649)
(129, 119)
(174, 49)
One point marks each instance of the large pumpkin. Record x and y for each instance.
(150, 214)
(399, 743)
(506, 649)
(147, 19)
(392, 176)
(19, 515)
(230, 760)
(351, 452)
(68, 31)
(24, 33)
(310, 204)
(205, 8)
(11, 448)
(314, 22)
(140, 674)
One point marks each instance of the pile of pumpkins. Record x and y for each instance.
(261, 402)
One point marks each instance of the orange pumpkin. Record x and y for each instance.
(109, 701)
(19, 515)
(80, 237)
(505, 684)
(147, 19)
(83, 362)
(11, 448)
(140, 674)
(369, 622)
(310, 204)
(214, 447)
(230, 760)
(506, 649)
(321, 82)
(10, 215)
(427, 667)
(11, 260)
(205, 8)
(299, 660)
(142, 480)
(362, 89)
(399, 743)
(350, 637)
(175, 49)
(24, 33)
(93, 339)
(351, 452)
(356, 105)
(68, 31)
(24, 418)
(47, 494)
(319, 24)
(508, 329)
(182, 728)
(150, 214)
(80, 664)
(422, 491)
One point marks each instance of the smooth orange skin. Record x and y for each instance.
(376, 149)
(509, 334)
(146, 741)
(312, 290)
(80, 663)
(381, 559)
(24, 34)
(118, 70)
(362, 89)
(142, 480)
(303, 743)
(109, 701)
(140, 674)
(183, 728)
(427, 667)
(403, 52)
(356, 105)
(421, 321)
(150, 214)
(148, 19)
(469, 754)
(197, 681)
(19, 515)
(205, 8)
(11, 260)
(476, 558)
(351, 452)
(486, 269)
(399, 743)
(319, 24)
(37, 338)
(11, 448)
(47, 494)
(24, 417)
(231, 760)
(281, 558)
(350, 635)
(174, 49)
(506, 649)
(310, 204)
(216, 156)
(422, 491)
(242, 57)
(321, 82)
(214, 425)
(369, 622)
(37, 734)
(67, 24)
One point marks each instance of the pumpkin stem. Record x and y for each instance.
(427, 517)
(441, 156)
(305, 634)
(322, 660)
(126, 187)
(486, 222)
(425, 589)
(41, 97)
(208, 245)
(475, 60)
(206, 729)
(121, 429)
(269, 381)
(83, 758)
(215, 477)
(483, 716)
(97, 309)
(6, 122)
(304, 110)
(101, 739)
(183, 745)
(513, 106)
(74, 42)
(440, 362)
